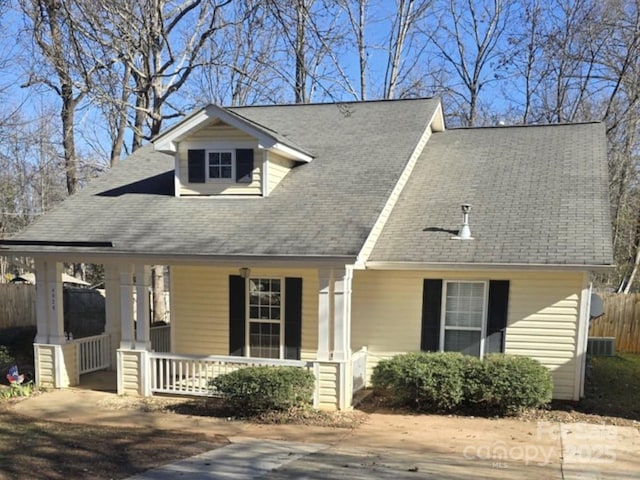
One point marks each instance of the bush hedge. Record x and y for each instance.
(423, 380)
(259, 389)
(446, 381)
(509, 383)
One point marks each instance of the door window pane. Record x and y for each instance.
(264, 339)
(264, 317)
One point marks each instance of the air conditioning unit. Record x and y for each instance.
(601, 346)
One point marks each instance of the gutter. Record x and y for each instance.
(327, 261)
(55, 243)
(487, 266)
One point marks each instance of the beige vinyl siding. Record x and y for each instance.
(327, 385)
(543, 325)
(200, 308)
(277, 170)
(224, 137)
(130, 372)
(47, 358)
(542, 317)
(70, 374)
(219, 131)
(45, 365)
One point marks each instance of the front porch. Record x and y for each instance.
(175, 359)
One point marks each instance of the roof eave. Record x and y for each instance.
(97, 255)
(437, 122)
(290, 153)
(168, 141)
(385, 265)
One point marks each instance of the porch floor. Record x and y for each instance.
(101, 381)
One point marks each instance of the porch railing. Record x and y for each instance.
(94, 353)
(190, 375)
(160, 338)
(359, 369)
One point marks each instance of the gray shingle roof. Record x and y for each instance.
(324, 208)
(539, 196)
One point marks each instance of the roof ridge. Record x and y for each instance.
(344, 102)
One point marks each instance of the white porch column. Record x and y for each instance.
(42, 321)
(55, 304)
(325, 304)
(126, 306)
(112, 309)
(143, 274)
(342, 315)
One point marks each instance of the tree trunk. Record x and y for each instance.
(362, 53)
(120, 114)
(301, 72)
(68, 138)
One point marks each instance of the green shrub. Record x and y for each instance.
(444, 381)
(6, 359)
(18, 390)
(259, 389)
(426, 381)
(508, 383)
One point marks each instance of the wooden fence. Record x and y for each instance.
(621, 320)
(17, 305)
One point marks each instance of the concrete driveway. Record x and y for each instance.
(386, 446)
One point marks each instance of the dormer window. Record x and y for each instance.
(221, 165)
(210, 166)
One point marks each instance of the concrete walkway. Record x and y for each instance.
(386, 446)
(243, 458)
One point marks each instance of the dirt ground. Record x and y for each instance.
(464, 440)
(32, 448)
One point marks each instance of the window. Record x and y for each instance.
(265, 322)
(221, 165)
(464, 317)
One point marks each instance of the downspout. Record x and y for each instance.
(581, 337)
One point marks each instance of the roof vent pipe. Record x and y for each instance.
(465, 231)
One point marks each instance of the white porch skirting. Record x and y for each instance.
(60, 365)
(143, 373)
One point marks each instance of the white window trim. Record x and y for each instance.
(233, 165)
(485, 312)
(248, 316)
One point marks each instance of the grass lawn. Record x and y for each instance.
(613, 386)
(49, 450)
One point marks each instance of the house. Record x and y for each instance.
(328, 237)
(67, 280)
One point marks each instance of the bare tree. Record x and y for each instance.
(238, 65)
(52, 26)
(311, 34)
(469, 39)
(406, 17)
(356, 13)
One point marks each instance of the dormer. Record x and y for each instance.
(219, 152)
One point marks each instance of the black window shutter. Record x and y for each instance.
(431, 311)
(292, 318)
(497, 316)
(244, 165)
(197, 166)
(237, 317)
